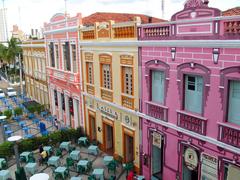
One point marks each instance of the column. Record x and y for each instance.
(60, 106)
(53, 102)
(67, 110)
(76, 113)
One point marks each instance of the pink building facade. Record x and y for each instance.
(64, 77)
(190, 95)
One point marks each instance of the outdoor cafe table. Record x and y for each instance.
(98, 173)
(82, 140)
(107, 160)
(31, 168)
(76, 178)
(61, 170)
(140, 177)
(4, 174)
(40, 176)
(83, 163)
(2, 160)
(65, 145)
(25, 155)
(48, 149)
(54, 160)
(75, 155)
(93, 150)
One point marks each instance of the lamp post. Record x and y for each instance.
(15, 139)
(2, 120)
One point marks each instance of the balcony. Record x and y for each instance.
(107, 94)
(127, 101)
(191, 122)
(161, 32)
(229, 134)
(232, 27)
(90, 89)
(124, 32)
(86, 35)
(157, 111)
(64, 75)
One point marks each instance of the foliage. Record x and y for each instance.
(6, 148)
(31, 109)
(8, 113)
(18, 111)
(39, 108)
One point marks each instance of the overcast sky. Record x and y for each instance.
(33, 13)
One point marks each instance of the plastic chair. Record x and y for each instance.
(112, 166)
(58, 176)
(58, 152)
(89, 166)
(91, 177)
(69, 162)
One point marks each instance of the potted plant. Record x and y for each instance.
(8, 113)
(18, 111)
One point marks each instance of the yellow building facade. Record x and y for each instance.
(34, 62)
(111, 95)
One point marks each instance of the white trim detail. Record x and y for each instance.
(169, 125)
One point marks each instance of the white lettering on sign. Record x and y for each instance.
(107, 111)
(209, 169)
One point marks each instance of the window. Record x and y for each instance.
(74, 58)
(51, 53)
(89, 66)
(193, 95)
(66, 56)
(71, 106)
(158, 79)
(157, 156)
(234, 102)
(63, 101)
(127, 76)
(106, 76)
(231, 171)
(57, 55)
(55, 97)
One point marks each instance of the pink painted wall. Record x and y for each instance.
(74, 88)
(213, 109)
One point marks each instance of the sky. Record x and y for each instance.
(30, 14)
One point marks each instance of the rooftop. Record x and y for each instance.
(118, 17)
(232, 12)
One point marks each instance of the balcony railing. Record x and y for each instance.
(90, 89)
(192, 122)
(157, 111)
(124, 32)
(127, 102)
(156, 32)
(229, 134)
(88, 35)
(232, 27)
(107, 95)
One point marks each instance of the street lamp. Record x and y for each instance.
(15, 139)
(2, 120)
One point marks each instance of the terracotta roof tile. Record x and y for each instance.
(232, 12)
(117, 17)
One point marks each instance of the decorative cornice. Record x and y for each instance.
(167, 43)
(33, 45)
(62, 30)
(169, 125)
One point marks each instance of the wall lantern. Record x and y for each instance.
(173, 52)
(99, 129)
(215, 55)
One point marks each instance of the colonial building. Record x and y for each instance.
(34, 62)
(63, 67)
(111, 94)
(190, 95)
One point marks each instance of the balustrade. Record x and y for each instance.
(157, 111)
(107, 95)
(232, 27)
(128, 102)
(156, 32)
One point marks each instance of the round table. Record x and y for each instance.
(40, 176)
(14, 138)
(3, 117)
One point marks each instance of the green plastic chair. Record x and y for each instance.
(81, 169)
(31, 159)
(23, 159)
(112, 178)
(58, 152)
(4, 164)
(91, 177)
(89, 166)
(112, 166)
(71, 148)
(58, 176)
(128, 167)
(69, 162)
